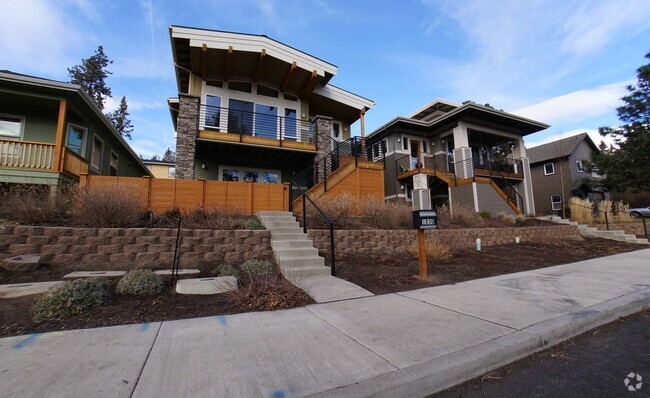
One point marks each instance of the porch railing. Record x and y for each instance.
(246, 123)
(25, 154)
(73, 163)
(507, 165)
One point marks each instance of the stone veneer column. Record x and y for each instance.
(187, 129)
(322, 134)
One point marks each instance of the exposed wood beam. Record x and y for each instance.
(309, 84)
(259, 66)
(229, 56)
(294, 66)
(204, 55)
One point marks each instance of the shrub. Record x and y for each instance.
(458, 216)
(436, 249)
(267, 293)
(32, 204)
(108, 206)
(339, 209)
(71, 298)
(200, 219)
(253, 224)
(257, 267)
(623, 212)
(226, 270)
(581, 210)
(140, 282)
(507, 219)
(485, 214)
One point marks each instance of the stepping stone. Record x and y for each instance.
(216, 285)
(94, 274)
(26, 289)
(186, 271)
(25, 262)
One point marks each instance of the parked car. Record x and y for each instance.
(638, 212)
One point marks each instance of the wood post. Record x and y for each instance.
(285, 196)
(60, 135)
(249, 197)
(422, 253)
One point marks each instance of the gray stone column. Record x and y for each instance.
(187, 128)
(322, 135)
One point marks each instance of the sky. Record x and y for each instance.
(565, 63)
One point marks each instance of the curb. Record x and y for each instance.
(452, 369)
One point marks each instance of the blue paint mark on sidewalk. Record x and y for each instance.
(27, 341)
(144, 326)
(222, 320)
(278, 394)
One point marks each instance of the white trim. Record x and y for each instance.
(451, 210)
(84, 141)
(344, 97)
(101, 153)
(489, 130)
(117, 167)
(241, 169)
(553, 203)
(475, 193)
(544, 167)
(579, 167)
(22, 126)
(432, 103)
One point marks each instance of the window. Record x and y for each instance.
(290, 123)
(212, 110)
(267, 91)
(11, 126)
(266, 121)
(556, 202)
(240, 117)
(230, 175)
(214, 83)
(579, 166)
(424, 147)
(76, 138)
(96, 154)
(112, 167)
(336, 131)
(405, 143)
(270, 178)
(290, 97)
(245, 87)
(171, 172)
(549, 169)
(594, 172)
(252, 176)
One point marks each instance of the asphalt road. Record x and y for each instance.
(594, 364)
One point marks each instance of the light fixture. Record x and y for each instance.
(203, 166)
(442, 140)
(401, 187)
(399, 140)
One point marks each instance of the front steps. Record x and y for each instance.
(586, 230)
(300, 263)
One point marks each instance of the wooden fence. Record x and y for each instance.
(160, 194)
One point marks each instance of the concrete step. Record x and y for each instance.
(286, 230)
(292, 244)
(294, 274)
(641, 240)
(273, 225)
(302, 261)
(326, 288)
(283, 237)
(273, 213)
(299, 252)
(288, 217)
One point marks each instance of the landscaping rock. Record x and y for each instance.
(214, 285)
(26, 289)
(94, 274)
(182, 271)
(22, 263)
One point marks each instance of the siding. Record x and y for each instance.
(490, 200)
(463, 195)
(40, 121)
(582, 152)
(545, 186)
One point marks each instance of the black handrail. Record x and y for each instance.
(305, 197)
(177, 249)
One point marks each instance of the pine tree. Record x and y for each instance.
(91, 75)
(120, 119)
(627, 164)
(169, 156)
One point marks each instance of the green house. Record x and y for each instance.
(52, 133)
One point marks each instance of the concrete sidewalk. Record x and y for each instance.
(408, 344)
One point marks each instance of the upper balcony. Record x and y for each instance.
(265, 128)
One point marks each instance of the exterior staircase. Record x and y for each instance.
(300, 263)
(586, 230)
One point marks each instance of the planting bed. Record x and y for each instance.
(395, 272)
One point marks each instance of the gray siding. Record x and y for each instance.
(463, 195)
(544, 186)
(490, 200)
(582, 152)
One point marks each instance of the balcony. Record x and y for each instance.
(38, 156)
(254, 128)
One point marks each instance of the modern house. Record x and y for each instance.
(250, 108)
(52, 132)
(562, 169)
(474, 155)
(161, 168)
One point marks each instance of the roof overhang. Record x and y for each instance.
(335, 101)
(173, 104)
(437, 104)
(219, 55)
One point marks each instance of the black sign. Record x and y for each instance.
(425, 219)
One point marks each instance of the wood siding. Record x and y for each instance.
(490, 200)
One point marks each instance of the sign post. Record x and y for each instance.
(423, 218)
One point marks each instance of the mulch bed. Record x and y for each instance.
(396, 273)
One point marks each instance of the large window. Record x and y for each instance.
(252, 175)
(76, 138)
(11, 126)
(549, 169)
(290, 123)
(240, 117)
(266, 121)
(112, 167)
(556, 202)
(212, 111)
(96, 154)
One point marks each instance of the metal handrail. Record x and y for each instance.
(305, 197)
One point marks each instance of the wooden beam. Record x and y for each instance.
(285, 83)
(256, 76)
(204, 55)
(229, 56)
(309, 84)
(60, 135)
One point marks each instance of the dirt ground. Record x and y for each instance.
(396, 273)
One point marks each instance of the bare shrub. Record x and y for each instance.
(107, 206)
(604, 206)
(461, 217)
(267, 293)
(202, 218)
(339, 208)
(507, 219)
(623, 212)
(581, 210)
(258, 267)
(376, 213)
(435, 248)
(34, 204)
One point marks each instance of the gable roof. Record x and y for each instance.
(557, 149)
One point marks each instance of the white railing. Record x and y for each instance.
(24, 154)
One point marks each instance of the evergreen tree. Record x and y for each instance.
(627, 163)
(169, 156)
(91, 75)
(120, 119)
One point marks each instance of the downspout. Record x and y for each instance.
(562, 187)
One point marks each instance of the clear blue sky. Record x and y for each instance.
(562, 62)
